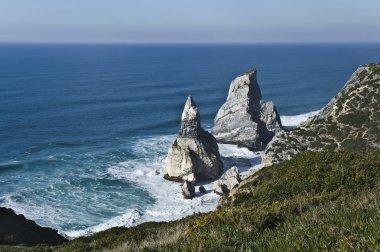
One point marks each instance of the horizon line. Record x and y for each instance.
(183, 43)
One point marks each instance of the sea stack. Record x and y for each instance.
(244, 119)
(194, 155)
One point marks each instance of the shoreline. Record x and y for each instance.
(147, 173)
(168, 193)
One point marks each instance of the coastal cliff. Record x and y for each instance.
(351, 121)
(322, 200)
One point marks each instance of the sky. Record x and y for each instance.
(189, 21)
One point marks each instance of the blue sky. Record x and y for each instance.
(188, 21)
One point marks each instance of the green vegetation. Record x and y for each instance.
(327, 200)
(351, 121)
(316, 201)
(134, 239)
(337, 226)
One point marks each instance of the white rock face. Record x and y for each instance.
(244, 119)
(228, 181)
(269, 116)
(194, 155)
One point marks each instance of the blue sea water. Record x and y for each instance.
(75, 120)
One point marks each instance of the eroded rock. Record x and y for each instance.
(202, 189)
(194, 155)
(244, 119)
(228, 181)
(188, 190)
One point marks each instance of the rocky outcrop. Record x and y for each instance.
(188, 190)
(194, 155)
(228, 181)
(16, 229)
(244, 119)
(202, 189)
(351, 120)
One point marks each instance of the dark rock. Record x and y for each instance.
(188, 190)
(16, 229)
(202, 189)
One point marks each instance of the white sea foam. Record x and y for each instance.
(129, 217)
(293, 121)
(147, 172)
(31, 210)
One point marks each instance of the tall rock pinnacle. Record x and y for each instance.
(194, 155)
(190, 120)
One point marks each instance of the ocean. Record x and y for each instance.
(85, 128)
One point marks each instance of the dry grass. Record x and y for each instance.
(161, 239)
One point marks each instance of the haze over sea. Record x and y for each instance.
(85, 128)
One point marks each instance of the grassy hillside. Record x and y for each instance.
(316, 201)
(350, 121)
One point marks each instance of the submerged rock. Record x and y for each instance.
(194, 155)
(188, 190)
(202, 189)
(228, 181)
(244, 119)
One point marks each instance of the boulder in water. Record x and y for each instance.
(202, 189)
(188, 190)
(228, 181)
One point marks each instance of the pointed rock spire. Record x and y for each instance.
(194, 155)
(246, 86)
(190, 120)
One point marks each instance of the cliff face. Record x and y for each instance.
(351, 120)
(16, 229)
(244, 119)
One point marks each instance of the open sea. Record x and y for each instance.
(84, 129)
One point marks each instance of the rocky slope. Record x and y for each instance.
(16, 230)
(194, 155)
(351, 120)
(244, 119)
